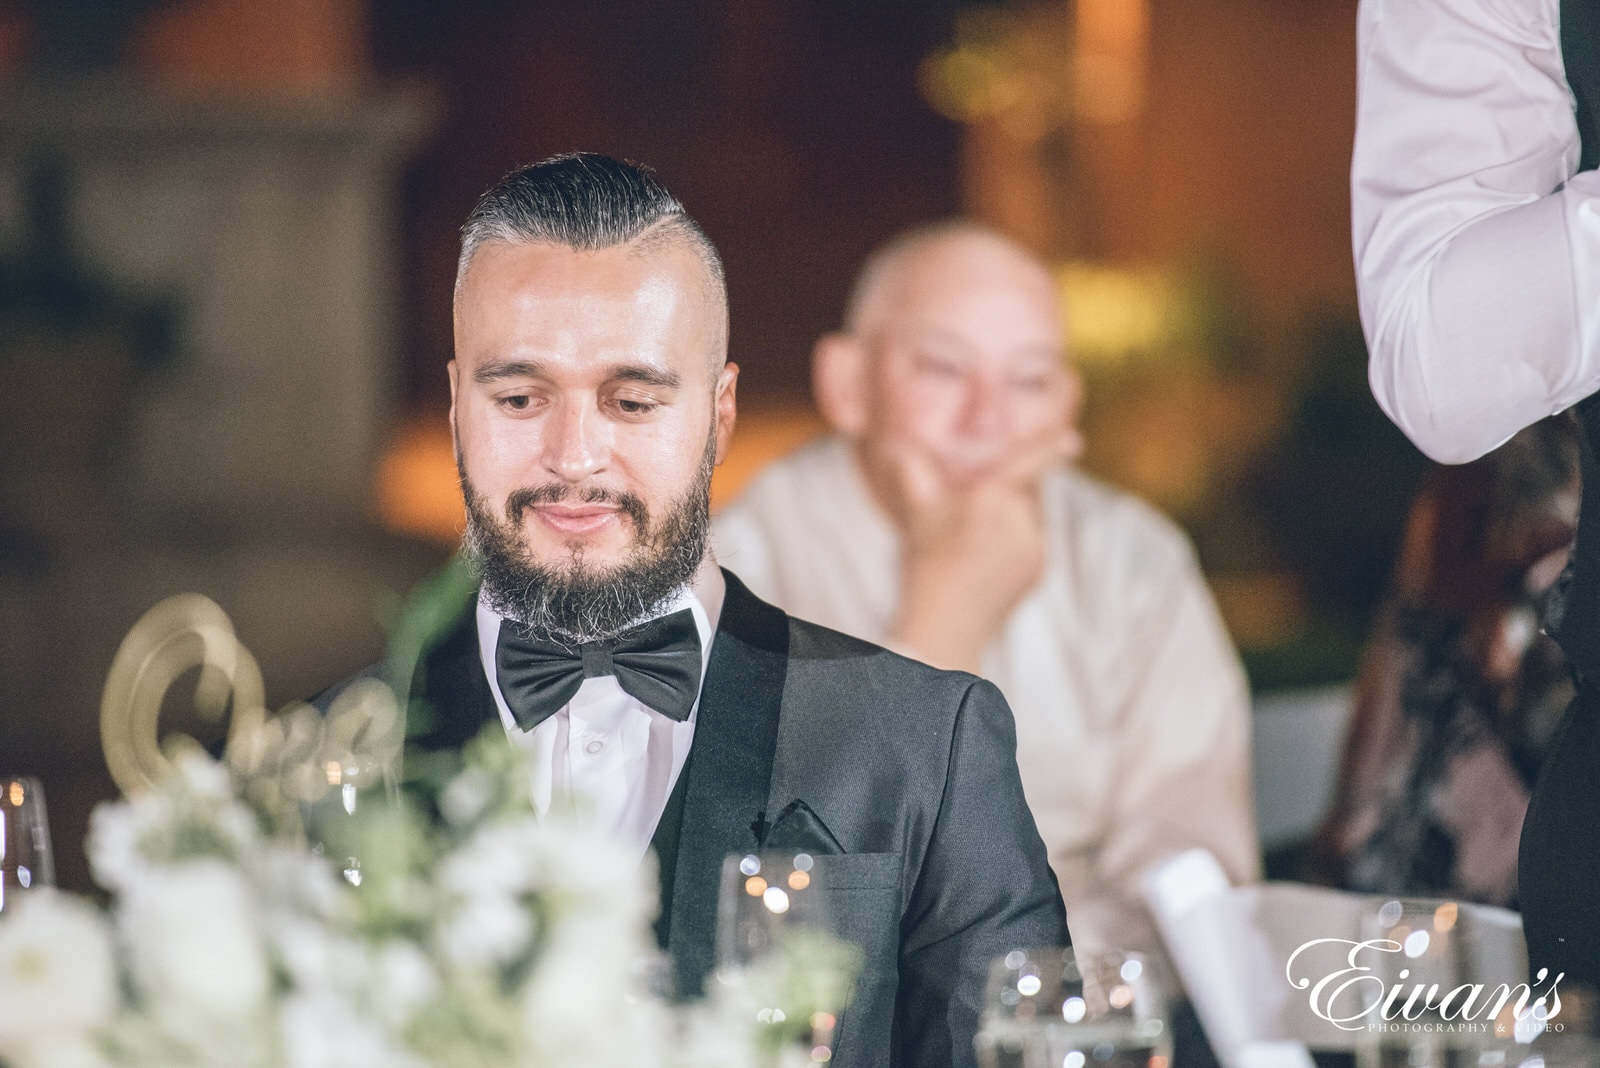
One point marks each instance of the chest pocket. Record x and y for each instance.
(864, 892)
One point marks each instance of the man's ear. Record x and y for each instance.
(838, 382)
(727, 408)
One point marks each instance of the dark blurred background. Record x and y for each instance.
(227, 241)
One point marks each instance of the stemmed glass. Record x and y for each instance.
(338, 819)
(763, 898)
(25, 859)
(1052, 1008)
(347, 775)
(1564, 1034)
(774, 947)
(1421, 948)
(1429, 957)
(331, 818)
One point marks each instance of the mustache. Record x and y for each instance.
(630, 504)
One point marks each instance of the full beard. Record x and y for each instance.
(571, 602)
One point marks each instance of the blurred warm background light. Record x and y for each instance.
(1110, 59)
(286, 46)
(1114, 314)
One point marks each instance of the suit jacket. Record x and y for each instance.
(900, 777)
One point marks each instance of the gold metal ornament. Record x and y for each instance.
(180, 634)
(283, 763)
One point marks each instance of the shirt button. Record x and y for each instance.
(593, 746)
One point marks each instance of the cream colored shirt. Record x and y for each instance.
(1132, 711)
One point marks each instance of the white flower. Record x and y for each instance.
(709, 1037)
(466, 796)
(484, 930)
(317, 958)
(193, 940)
(238, 827)
(113, 845)
(404, 981)
(57, 974)
(577, 1010)
(204, 777)
(586, 870)
(326, 1032)
(213, 913)
(71, 1051)
(595, 948)
(494, 861)
(293, 878)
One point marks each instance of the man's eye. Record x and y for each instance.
(517, 402)
(633, 406)
(937, 365)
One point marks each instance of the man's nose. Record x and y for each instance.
(985, 413)
(576, 441)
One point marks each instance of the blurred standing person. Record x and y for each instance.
(1476, 219)
(941, 518)
(1459, 694)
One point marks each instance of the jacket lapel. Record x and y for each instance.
(725, 783)
(450, 700)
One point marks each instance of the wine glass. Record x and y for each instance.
(341, 767)
(1025, 990)
(1053, 1008)
(763, 897)
(1563, 1032)
(776, 950)
(337, 819)
(1446, 995)
(25, 859)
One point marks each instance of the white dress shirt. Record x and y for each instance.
(1132, 712)
(1477, 252)
(605, 755)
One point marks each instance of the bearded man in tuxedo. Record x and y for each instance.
(591, 398)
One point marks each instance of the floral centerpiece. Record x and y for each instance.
(448, 927)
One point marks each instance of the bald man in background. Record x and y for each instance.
(941, 518)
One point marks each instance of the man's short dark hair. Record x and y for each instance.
(585, 201)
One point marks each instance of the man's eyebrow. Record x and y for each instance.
(1042, 352)
(937, 337)
(499, 369)
(644, 374)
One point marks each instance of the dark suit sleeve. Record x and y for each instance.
(985, 887)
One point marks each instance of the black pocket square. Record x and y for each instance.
(800, 829)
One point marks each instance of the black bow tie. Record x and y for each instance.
(656, 662)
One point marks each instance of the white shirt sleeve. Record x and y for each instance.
(1478, 271)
